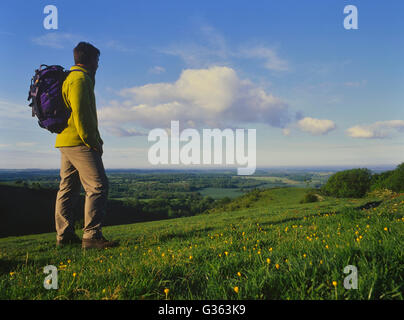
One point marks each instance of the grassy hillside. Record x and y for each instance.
(271, 247)
(24, 210)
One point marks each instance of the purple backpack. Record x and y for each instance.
(47, 101)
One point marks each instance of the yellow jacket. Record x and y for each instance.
(82, 126)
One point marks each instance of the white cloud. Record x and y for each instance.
(125, 157)
(122, 132)
(377, 130)
(316, 126)
(213, 97)
(57, 40)
(29, 158)
(360, 132)
(211, 48)
(11, 110)
(119, 46)
(355, 84)
(197, 55)
(286, 132)
(207, 48)
(157, 70)
(25, 144)
(271, 59)
(6, 33)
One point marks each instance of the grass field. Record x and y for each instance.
(275, 249)
(319, 178)
(275, 179)
(219, 193)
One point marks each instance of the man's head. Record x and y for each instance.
(87, 55)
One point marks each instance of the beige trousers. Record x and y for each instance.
(81, 165)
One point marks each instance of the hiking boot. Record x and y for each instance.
(71, 240)
(98, 243)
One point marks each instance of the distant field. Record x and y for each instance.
(276, 179)
(219, 193)
(276, 248)
(317, 179)
(215, 193)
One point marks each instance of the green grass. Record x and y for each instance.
(276, 248)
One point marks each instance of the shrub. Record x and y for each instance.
(354, 183)
(309, 197)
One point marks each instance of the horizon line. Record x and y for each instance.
(228, 168)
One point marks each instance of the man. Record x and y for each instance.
(80, 145)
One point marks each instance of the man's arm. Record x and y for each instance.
(79, 99)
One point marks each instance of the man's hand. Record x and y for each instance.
(99, 149)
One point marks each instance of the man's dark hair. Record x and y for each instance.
(85, 53)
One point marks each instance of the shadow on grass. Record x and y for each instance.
(7, 266)
(369, 205)
(184, 234)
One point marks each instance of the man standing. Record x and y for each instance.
(80, 145)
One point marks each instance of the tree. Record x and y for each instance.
(392, 180)
(354, 183)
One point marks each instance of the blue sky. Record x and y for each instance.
(317, 94)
